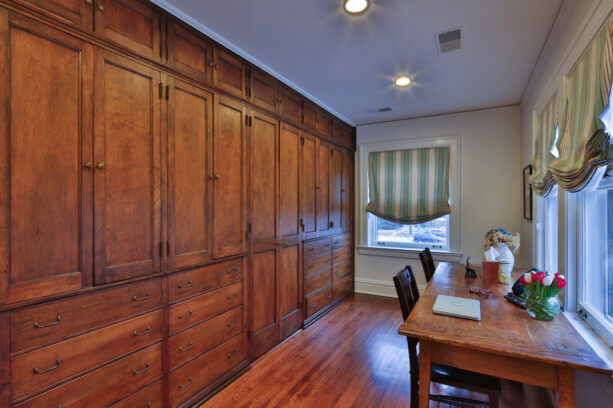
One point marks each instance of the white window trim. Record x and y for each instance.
(451, 141)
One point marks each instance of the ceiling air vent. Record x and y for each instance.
(386, 109)
(448, 41)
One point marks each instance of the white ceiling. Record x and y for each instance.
(347, 63)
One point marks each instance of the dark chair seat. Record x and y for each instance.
(456, 377)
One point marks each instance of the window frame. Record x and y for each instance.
(366, 223)
(548, 247)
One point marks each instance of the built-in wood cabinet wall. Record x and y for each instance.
(158, 195)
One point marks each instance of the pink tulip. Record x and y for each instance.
(538, 277)
(560, 283)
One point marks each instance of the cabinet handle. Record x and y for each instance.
(234, 296)
(310, 285)
(189, 314)
(232, 354)
(187, 384)
(327, 246)
(57, 364)
(234, 323)
(89, 165)
(216, 66)
(137, 299)
(211, 64)
(147, 367)
(185, 285)
(279, 100)
(313, 304)
(190, 345)
(42, 326)
(280, 243)
(232, 271)
(148, 330)
(318, 187)
(310, 266)
(211, 177)
(310, 249)
(101, 7)
(217, 176)
(100, 165)
(329, 295)
(336, 257)
(89, 2)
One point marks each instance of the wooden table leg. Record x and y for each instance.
(425, 366)
(566, 387)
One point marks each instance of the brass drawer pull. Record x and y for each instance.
(313, 304)
(234, 296)
(190, 345)
(310, 285)
(189, 314)
(234, 323)
(42, 326)
(89, 2)
(232, 354)
(328, 296)
(100, 7)
(147, 367)
(310, 266)
(326, 246)
(185, 285)
(57, 364)
(280, 243)
(148, 330)
(310, 249)
(336, 257)
(137, 299)
(187, 384)
(89, 165)
(232, 271)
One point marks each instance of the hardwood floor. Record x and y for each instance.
(352, 357)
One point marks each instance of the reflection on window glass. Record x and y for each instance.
(434, 234)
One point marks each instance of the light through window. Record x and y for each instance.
(431, 234)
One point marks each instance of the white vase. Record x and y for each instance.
(507, 260)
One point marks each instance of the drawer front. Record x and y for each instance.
(317, 281)
(195, 341)
(342, 269)
(194, 310)
(34, 370)
(342, 241)
(318, 301)
(53, 321)
(196, 375)
(148, 397)
(105, 385)
(317, 248)
(342, 287)
(314, 265)
(192, 282)
(342, 255)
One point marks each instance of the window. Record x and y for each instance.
(432, 234)
(547, 228)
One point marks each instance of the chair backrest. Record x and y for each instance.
(428, 263)
(406, 288)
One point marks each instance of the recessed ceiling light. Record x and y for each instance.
(402, 81)
(356, 6)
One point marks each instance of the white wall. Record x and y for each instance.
(491, 183)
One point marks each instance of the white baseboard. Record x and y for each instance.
(378, 287)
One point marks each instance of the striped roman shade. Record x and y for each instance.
(584, 146)
(409, 186)
(541, 179)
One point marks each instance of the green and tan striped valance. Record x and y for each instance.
(583, 144)
(409, 186)
(541, 179)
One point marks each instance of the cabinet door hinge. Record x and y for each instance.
(331, 224)
(249, 333)
(167, 92)
(160, 249)
(331, 152)
(161, 55)
(167, 248)
(302, 139)
(301, 224)
(250, 121)
(161, 89)
(246, 120)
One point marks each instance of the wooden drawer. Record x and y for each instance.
(342, 287)
(49, 322)
(342, 241)
(192, 282)
(148, 397)
(318, 301)
(197, 374)
(105, 385)
(316, 248)
(317, 281)
(342, 255)
(81, 353)
(342, 269)
(195, 341)
(199, 308)
(314, 265)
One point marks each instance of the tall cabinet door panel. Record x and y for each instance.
(264, 318)
(230, 178)
(45, 143)
(308, 186)
(289, 184)
(336, 175)
(127, 169)
(190, 127)
(263, 136)
(323, 189)
(290, 293)
(77, 11)
(347, 191)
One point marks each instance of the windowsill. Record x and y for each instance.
(589, 335)
(409, 253)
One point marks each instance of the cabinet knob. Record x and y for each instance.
(211, 177)
(279, 100)
(217, 176)
(211, 64)
(89, 165)
(89, 2)
(100, 165)
(216, 66)
(101, 7)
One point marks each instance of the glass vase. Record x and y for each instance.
(542, 308)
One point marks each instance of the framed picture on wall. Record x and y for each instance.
(527, 193)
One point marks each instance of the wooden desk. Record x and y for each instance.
(506, 343)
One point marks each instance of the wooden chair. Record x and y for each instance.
(408, 295)
(427, 262)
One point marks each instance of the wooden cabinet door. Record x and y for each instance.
(45, 143)
(76, 11)
(308, 185)
(190, 182)
(337, 133)
(126, 169)
(347, 191)
(263, 90)
(323, 189)
(264, 323)
(290, 105)
(131, 24)
(309, 116)
(336, 175)
(290, 290)
(348, 138)
(190, 52)
(324, 124)
(229, 73)
(230, 178)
